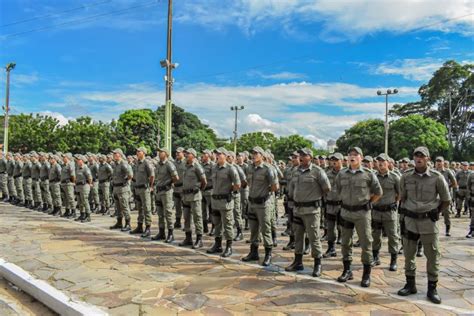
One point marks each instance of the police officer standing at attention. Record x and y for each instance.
(121, 190)
(470, 196)
(68, 178)
(3, 177)
(165, 176)
(452, 184)
(424, 195)
(180, 165)
(358, 187)
(145, 178)
(54, 178)
(207, 165)
(104, 175)
(83, 188)
(263, 183)
(384, 213)
(226, 181)
(44, 177)
(309, 185)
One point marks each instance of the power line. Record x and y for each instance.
(81, 20)
(56, 13)
(440, 22)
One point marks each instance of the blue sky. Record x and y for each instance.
(310, 67)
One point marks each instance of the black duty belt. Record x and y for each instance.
(356, 208)
(120, 184)
(283, 182)
(177, 185)
(316, 203)
(259, 200)
(2, 172)
(208, 188)
(54, 181)
(103, 181)
(385, 208)
(16, 177)
(65, 181)
(417, 215)
(463, 187)
(44, 178)
(222, 196)
(191, 191)
(26, 177)
(80, 183)
(163, 187)
(141, 186)
(334, 203)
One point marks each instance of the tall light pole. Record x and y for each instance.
(8, 68)
(168, 78)
(394, 91)
(236, 109)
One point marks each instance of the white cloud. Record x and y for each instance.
(282, 109)
(341, 19)
(63, 120)
(421, 69)
(20, 79)
(284, 75)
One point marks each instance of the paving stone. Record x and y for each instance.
(190, 302)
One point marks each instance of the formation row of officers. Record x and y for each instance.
(229, 191)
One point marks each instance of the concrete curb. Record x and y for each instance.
(45, 293)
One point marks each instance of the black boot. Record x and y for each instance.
(86, 219)
(81, 217)
(45, 207)
(117, 225)
(409, 288)
(127, 226)
(198, 243)
(419, 249)
(177, 224)
(253, 254)
(188, 240)
(160, 236)
(376, 260)
(146, 232)
(306, 246)
(228, 249)
(274, 238)
(317, 268)
(170, 237)
(432, 293)
(458, 214)
(66, 213)
(291, 243)
(347, 273)
(393, 262)
(448, 228)
(268, 257)
(239, 236)
(73, 214)
(206, 227)
(331, 252)
(246, 227)
(138, 229)
(366, 276)
(297, 264)
(217, 247)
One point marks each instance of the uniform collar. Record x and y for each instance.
(426, 173)
(349, 170)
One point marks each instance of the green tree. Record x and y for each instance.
(412, 131)
(369, 135)
(249, 140)
(137, 128)
(451, 86)
(286, 145)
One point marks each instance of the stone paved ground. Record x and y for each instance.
(130, 276)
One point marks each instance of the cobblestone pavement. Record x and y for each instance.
(130, 276)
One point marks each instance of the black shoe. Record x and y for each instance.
(469, 235)
(253, 254)
(228, 249)
(432, 293)
(267, 260)
(138, 229)
(346, 273)
(86, 219)
(317, 268)
(331, 252)
(296, 265)
(274, 238)
(198, 243)
(306, 246)
(376, 259)
(66, 213)
(206, 227)
(217, 247)
(73, 214)
(146, 232)
(127, 226)
(170, 237)
(448, 228)
(160, 236)
(393, 262)
(45, 208)
(366, 276)
(117, 225)
(239, 236)
(246, 226)
(291, 244)
(81, 217)
(188, 240)
(177, 224)
(409, 288)
(458, 214)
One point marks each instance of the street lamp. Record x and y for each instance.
(8, 68)
(236, 109)
(389, 91)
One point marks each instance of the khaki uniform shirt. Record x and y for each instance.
(180, 166)
(17, 170)
(192, 177)
(356, 187)
(208, 166)
(332, 195)
(83, 175)
(144, 170)
(122, 172)
(164, 172)
(105, 172)
(260, 179)
(3, 165)
(26, 170)
(461, 177)
(309, 185)
(390, 183)
(44, 171)
(35, 170)
(55, 173)
(224, 177)
(67, 172)
(10, 167)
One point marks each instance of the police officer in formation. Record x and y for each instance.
(374, 197)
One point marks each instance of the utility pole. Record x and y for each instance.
(8, 68)
(395, 91)
(168, 78)
(450, 94)
(236, 109)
